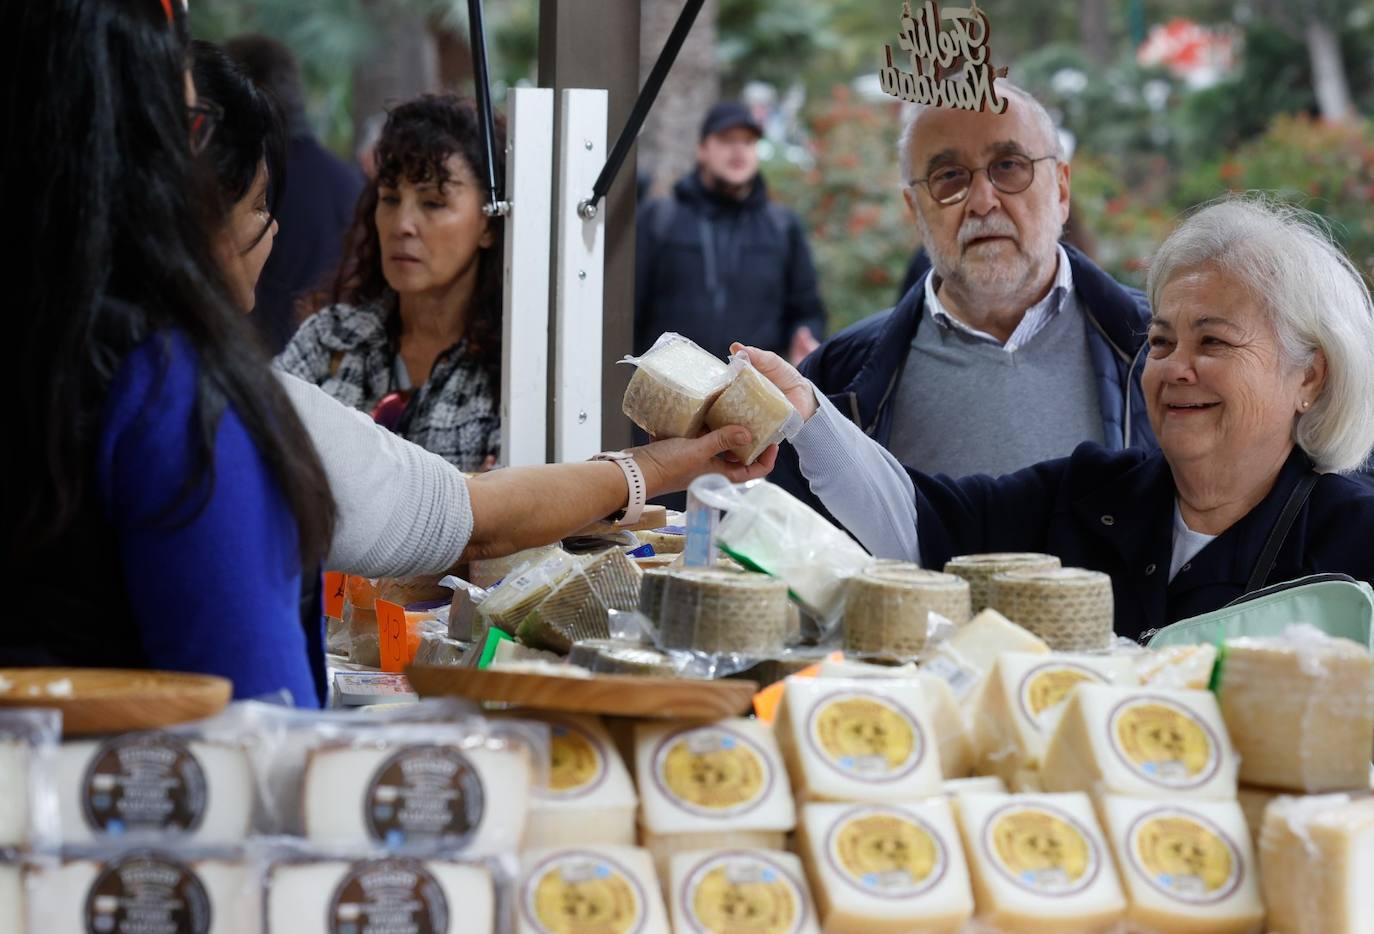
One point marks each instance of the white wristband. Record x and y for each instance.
(634, 479)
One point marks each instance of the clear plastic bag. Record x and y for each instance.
(28, 757)
(888, 609)
(577, 606)
(751, 400)
(674, 384)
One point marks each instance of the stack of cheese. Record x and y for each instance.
(887, 611)
(979, 570)
(673, 386)
(578, 606)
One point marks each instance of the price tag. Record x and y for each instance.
(766, 701)
(391, 633)
(334, 594)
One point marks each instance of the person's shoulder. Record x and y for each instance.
(1349, 498)
(342, 326)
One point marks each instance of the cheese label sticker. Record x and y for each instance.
(866, 737)
(1047, 686)
(712, 771)
(580, 892)
(386, 896)
(429, 795)
(576, 762)
(741, 893)
(1041, 849)
(147, 893)
(1185, 856)
(1163, 743)
(144, 782)
(886, 853)
(960, 678)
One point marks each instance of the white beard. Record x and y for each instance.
(1005, 269)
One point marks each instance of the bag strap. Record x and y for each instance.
(1296, 500)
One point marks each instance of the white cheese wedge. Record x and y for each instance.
(1022, 699)
(1300, 709)
(588, 890)
(12, 902)
(858, 740)
(1188, 866)
(141, 891)
(1140, 741)
(1177, 666)
(15, 765)
(886, 868)
(471, 799)
(966, 657)
(382, 894)
(1039, 863)
(589, 798)
(155, 783)
(1317, 864)
(735, 891)
(978, 784)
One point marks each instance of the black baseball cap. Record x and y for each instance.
(726, 116)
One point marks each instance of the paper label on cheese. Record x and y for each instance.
(743, 893)
(886, 853)
(147, 893)
(1185, 856)
(1045, 686)
(866, 737)
(143, 782)
(578, 892)
(384, 896)
(1041, 849)
(960, 678)
(577, 765)
(425, 795)
(712, 771)
(1163, 742)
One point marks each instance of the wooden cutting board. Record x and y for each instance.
(109, 700)
(617, 695)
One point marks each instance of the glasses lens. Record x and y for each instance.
(1012, 173)
(949, 183)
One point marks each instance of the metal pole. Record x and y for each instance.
(481, 79)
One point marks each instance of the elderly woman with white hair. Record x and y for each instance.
(1259, 384)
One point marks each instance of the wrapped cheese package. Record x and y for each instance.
(507, 605)
(1317, 864)
(674, 385)
(28, 805)
(751, 400)
(721, 612)
(887, 608)
(577, 607)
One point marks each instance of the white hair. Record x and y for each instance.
(906, 143)
(1315, 298)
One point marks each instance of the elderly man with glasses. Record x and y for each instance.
(1014, 348)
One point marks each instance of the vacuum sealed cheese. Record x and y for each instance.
(578, 606)
(736, 891)
(888, 608)
(589, 890)
(589, 797)
(965, 658)
(1139, 741)
(1317, 864)
(28, 804)
(891, 868)
(13, 905)
(751, 400)
(673, 386)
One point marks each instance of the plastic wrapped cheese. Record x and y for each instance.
(332, 896)
(668, 540)
(577, 607)
(28, 803)
(1039, 863)
(738, 891)
(723, 612)
(1300, 710)
(589, 797)
(1188, 867)
(886, 868)
(507, 605)
(484, 572)
(155, 784)
(13, 905)
(980, 569)
(1177, 666)
(584, 889)
(1140, 741)
(965, 658)
(1070, 608)
(612, 657)
(858, 740)
(751, 400)
(1021, 701)
(673, 386)
(1317, 864)
(887, 608)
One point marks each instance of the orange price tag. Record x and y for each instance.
(334, 594)
(766, 701)
(391, 632)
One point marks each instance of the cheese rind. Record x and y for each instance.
(753, 401)
(1188, 866)
(716, 611)
(673, 386)
(728, 891)
(588, 890)
(1070, 608)
(328, 896)
(589, 798)
(887, 608)
(1140, 741)
(980, 569)
(1317, 860)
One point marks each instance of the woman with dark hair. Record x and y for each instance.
(414, 331)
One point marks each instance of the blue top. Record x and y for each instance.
(215, 590)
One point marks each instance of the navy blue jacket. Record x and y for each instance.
(1113, 511)
(859, 368)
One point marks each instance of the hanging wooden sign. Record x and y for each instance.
(937, 42)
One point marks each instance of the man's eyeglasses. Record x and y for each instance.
(951, 184)
(204, 117)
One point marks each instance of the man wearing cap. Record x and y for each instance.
(718, 262)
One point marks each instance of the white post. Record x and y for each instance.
(525, 323)
(580, 270)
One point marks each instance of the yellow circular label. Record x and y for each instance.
(742, 895)
(866, 737)
(1047, 687)
(585, 895)
(713, 770)
(575, 763)
(888, 854)
(1042, 851)
(1163, 743)
(1185, 858)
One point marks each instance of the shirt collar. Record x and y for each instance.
(1036, 315)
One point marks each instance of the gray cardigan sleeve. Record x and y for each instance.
(402, 511)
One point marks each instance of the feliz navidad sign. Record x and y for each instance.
(935, 50)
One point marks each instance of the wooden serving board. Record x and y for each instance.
(110, 700)
(653, 517)
(616, 695)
